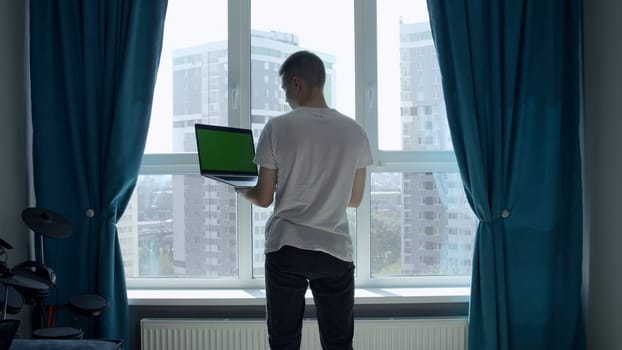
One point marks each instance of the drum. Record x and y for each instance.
(58, 333)
(27, 285)
(36, 271)
(42, 277)
(19, 283)
(88, 304)
(14, 304)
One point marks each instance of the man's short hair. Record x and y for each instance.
(305, 65)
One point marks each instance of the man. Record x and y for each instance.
(315, 159)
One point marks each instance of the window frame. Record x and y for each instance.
(366, 110)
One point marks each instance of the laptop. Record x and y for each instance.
(226, 154)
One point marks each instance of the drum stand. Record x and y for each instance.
(49, 224)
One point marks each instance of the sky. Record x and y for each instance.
(325, 26)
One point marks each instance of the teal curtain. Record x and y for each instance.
(93, 65)
(511, 82)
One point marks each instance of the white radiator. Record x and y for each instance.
(369, 334)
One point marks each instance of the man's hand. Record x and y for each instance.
(263, 193)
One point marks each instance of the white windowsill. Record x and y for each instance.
(241, 297)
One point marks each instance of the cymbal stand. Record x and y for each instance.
(41, 247)
(6, 301)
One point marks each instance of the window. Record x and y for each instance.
(219, 65)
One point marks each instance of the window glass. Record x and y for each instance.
(191, 84)
(409, 91)
(176, 225)
(170, 229)
(181, 225)
(421, 224)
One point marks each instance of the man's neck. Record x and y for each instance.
(315, 105)
(316, 100)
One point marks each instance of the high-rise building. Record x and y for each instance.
(203, 212)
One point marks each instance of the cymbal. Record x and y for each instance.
(46, 222)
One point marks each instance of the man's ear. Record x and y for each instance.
(298, 83)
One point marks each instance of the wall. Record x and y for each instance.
(603, 159)
(603, 169)
(13, 110)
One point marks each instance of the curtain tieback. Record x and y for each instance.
(505, 213)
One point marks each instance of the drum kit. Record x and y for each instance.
(30, 282)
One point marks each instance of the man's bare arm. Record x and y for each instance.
(358, 187)
(263, 193)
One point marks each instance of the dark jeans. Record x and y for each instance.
(288, 273)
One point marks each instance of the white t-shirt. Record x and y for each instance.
(316, 152)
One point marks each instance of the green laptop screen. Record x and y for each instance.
(224, 150)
